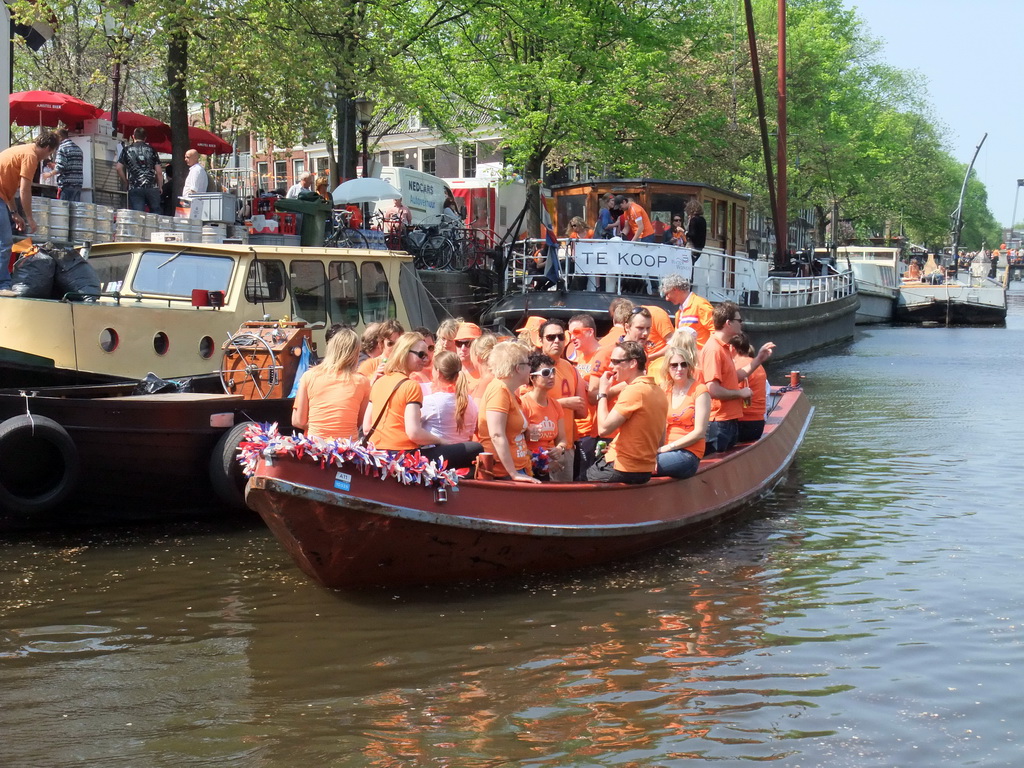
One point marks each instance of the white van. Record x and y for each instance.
(422, 193)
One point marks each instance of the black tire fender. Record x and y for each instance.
(225, 472)
(39, 464)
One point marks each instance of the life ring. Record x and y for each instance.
(225, 472)
(39, 464)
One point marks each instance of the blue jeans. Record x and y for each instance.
(71, 194)
(140, 198)
(679, 463)
(722, 435)
(6, 241)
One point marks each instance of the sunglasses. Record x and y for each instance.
(554, 337)
(678, 365)
(579, 333)
(637, 310)
(465, 343)
(736, 319)
(619, 361)
(545, 372)
(420, 355)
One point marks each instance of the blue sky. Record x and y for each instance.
(972, 54)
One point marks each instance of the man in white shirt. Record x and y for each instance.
(197, 181)
(304, 184)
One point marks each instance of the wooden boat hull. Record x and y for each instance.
(953, 304)
(381, 533)
(131, 457)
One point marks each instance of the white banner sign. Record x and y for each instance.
(632, 259)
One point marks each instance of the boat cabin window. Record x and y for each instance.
(664, 206)
(376, 299)
(722, 223)
(111, 269)
(568, 206)
(343, 291)
(265, 282)
(178, 273)
(309, 291)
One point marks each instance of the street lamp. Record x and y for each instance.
(364, 112)
(1013, 219)
(116, 36)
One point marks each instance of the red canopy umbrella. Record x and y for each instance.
(127, 122)
(49, 108)
(199, 139)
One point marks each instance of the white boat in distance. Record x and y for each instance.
(877, 271)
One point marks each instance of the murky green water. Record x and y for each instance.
(868, 614)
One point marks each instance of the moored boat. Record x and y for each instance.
(876, 270)
(137, 450)
(963, 300)
(348, 523)
(166, 308)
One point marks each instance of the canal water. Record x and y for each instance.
(867, 614)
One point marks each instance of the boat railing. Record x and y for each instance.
(782, 292)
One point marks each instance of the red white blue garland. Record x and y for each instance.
(407, 467)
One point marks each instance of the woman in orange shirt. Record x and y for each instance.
(689, 407)
(545, 427)
(394, 421)
(501, 425)
(754, 409)
(332, 397)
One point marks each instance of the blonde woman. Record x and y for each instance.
(501, 424)
(480, 353)
(689, 408)
(332, 397)
(446, 333)
(449, 413)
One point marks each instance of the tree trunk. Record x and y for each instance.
(177, 73)
(532, 176)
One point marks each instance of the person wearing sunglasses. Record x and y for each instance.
(689, 406)
(393, 419)
(501, 425)
(569, 388)
(639, 415)
(425, 377)
(695, 314)
(466, 334)
(545, 422)
(723, 379)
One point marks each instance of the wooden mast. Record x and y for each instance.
(762, 120)
(782, 219)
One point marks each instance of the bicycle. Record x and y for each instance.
(429, 248)
(343, 235)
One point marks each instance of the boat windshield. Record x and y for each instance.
(178, 273)
(111, 269)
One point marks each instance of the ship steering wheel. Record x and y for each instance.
(249, 364)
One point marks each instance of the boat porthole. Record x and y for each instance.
(161, 343)
(206, 347)
(109, 339)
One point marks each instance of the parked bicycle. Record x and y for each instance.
(429, 248)
(343, 234)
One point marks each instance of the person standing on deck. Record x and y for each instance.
(695, 314)
(636, 224)
(140, 171)
(18, 166)
(69, 168)
(696, 228)
(197, 181)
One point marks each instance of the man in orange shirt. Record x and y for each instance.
(695, 313)
(640, 415)
(569, 389)
(18, 167)
(723, 379)
(636, 224)
(588, 362)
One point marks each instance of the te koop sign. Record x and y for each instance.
(620, 257)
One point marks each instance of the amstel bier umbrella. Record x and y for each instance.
(127, 122)
(49, 108)
(199, 139)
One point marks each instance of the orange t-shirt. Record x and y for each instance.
(544, 417)
(635, 448)
(716, 364)
(632, 214)
(390, 433)
(566, 378)
(610, 339)
(758, 383)
(661, 328)
(16, 163)
(589, 368)
(332, 403)
(680, 420)
(369, 367)
(498, 398)
(697, 315)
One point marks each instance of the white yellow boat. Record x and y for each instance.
(167, 308)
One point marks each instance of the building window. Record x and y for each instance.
(263, 171)
(280, 174)
(430, 160)
(469, 161)
(398, 158)
(323, 167)
(298, 168)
